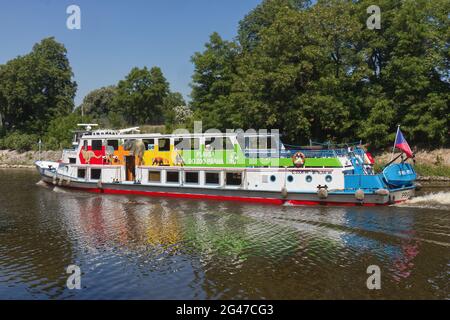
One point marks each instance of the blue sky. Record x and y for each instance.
(118, 35)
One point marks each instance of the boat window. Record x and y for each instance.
(154, 176)
(149, 144)
(195, 143)
(180, 143)
(81, 173)
(97, 145)
(191, 177)
(164, 144)
(96, 174)
(72, 160)
(173, 177)
(273, 178)
(308, 178)
(234, 179)
(228, 144)
(114, 144)
(213, 143)
(218, 143)
(212, 178)
(187, 143)
(85, 144)
(328, 178)
(290, 178)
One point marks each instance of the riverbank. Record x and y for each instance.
(430, 165)
(23, 160)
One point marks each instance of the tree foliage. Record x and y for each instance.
(99, 103)
(60, 131)
(317, 72)
(36, 87)
(140, 96)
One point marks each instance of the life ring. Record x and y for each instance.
(298, 159)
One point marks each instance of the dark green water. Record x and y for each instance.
(155, 248)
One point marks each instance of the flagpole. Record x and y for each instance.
(393, 149)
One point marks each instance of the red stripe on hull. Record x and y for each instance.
(183, 195)
(272, 201)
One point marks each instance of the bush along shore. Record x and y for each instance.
(430, 165)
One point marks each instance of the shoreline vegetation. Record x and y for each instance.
(431, 165)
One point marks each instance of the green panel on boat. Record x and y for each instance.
(222, 158)
(323, 162)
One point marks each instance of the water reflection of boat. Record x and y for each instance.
(103, 220)
(163, 229)
(385, 235)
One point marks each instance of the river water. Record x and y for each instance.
(131, 247)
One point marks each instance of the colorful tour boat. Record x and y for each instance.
(251, 167)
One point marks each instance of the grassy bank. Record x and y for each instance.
(429, 163)
(10, 158)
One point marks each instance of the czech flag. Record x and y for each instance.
(402, 144)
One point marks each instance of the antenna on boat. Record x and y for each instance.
(130, 130)
(87, 126)
(40, 145)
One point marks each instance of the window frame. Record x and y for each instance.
(96, 146)
(172, 182)
(114, 145)
(152, 172)
(166, 149)
(93, 169)
(233, 185)
(78, 173)
(218, 178)
(192, 172)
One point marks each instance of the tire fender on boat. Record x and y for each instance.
(359, 195)
(382, 192)
(322, 192)
(99, 184)
(284, 193)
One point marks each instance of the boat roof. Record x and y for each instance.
(113, 135)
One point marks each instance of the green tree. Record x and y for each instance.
(262, 17)
(36, 88)
(212, 81)
(302, 74)
(171, 101)
(98, 103)
(409, 57)
(140, 96)
(60, 131)
(316, 71)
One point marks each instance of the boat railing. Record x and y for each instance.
(262, 153)
(324, 153)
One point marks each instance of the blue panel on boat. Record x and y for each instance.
(400, 174)
(361, 181)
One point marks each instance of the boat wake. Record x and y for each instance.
(59, 190)
(435, 200)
